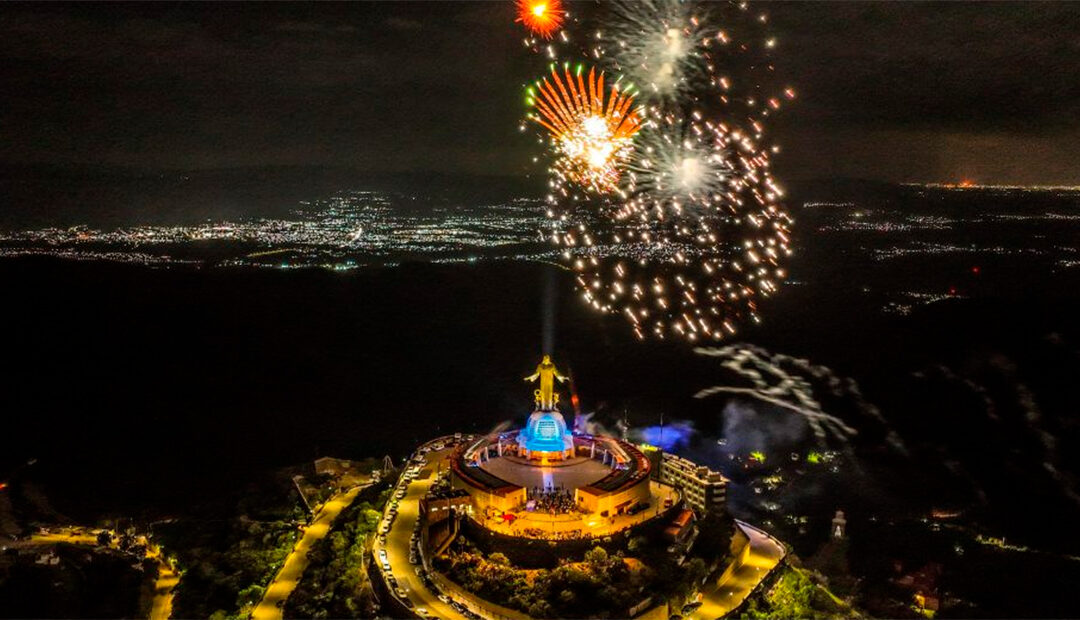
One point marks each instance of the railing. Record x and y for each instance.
(458, 594)
(474, 603)
(776, 541)
(769, 578)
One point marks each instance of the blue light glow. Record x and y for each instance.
(673, 436)
(546, 432)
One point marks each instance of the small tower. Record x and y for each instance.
(839, 525)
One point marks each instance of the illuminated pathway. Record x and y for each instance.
(163, 589)
(718, 598)
(71, 537)
(285, 581)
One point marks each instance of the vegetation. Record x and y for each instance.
(714, 539)
(610, 578)
(78, 583)
(335, 583)
(796, 593)
(227, 563)
(602, 585)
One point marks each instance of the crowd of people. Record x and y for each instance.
(536, 532)
(551, 500)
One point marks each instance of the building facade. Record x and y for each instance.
(703, 489)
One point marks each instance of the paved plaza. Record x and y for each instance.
(564, 476)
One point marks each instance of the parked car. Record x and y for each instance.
(689, 607)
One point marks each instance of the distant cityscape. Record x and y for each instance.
(373, 229)
(350, 230)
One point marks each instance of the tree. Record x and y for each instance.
(714, 536)
(696, 571)
(370, 519)
(540, 609)
(249, 596)
(499, 558)
(596, 558)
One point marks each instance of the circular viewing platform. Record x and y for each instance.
(601, 486)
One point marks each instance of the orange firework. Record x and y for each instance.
(565, 108)
(542, 17)
(593, 137)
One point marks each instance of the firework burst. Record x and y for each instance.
(542, 17)
(679, 163)
(667, 212)
(592, 134)
(658, 44)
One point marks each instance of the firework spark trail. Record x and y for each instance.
(794, 392)
(1032, 417)
(695, 242)
(788, 391)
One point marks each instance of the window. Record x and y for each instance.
(546, 429)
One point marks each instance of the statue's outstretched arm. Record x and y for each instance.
(560, 377)
(533, 377)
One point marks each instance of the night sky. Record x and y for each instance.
(891, 91)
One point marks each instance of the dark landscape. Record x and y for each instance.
(147, 363)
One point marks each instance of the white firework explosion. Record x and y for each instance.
(658, 44)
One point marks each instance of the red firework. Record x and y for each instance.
(542, 17)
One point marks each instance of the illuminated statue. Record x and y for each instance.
(545, 435)
(546, 396)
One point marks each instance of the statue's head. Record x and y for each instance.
(546, 360)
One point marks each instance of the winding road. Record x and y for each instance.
(397, 540)
(721, 596)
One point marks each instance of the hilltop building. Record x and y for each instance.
(703, 489)
(545, 480)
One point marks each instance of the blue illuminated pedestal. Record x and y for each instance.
(546, 433)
